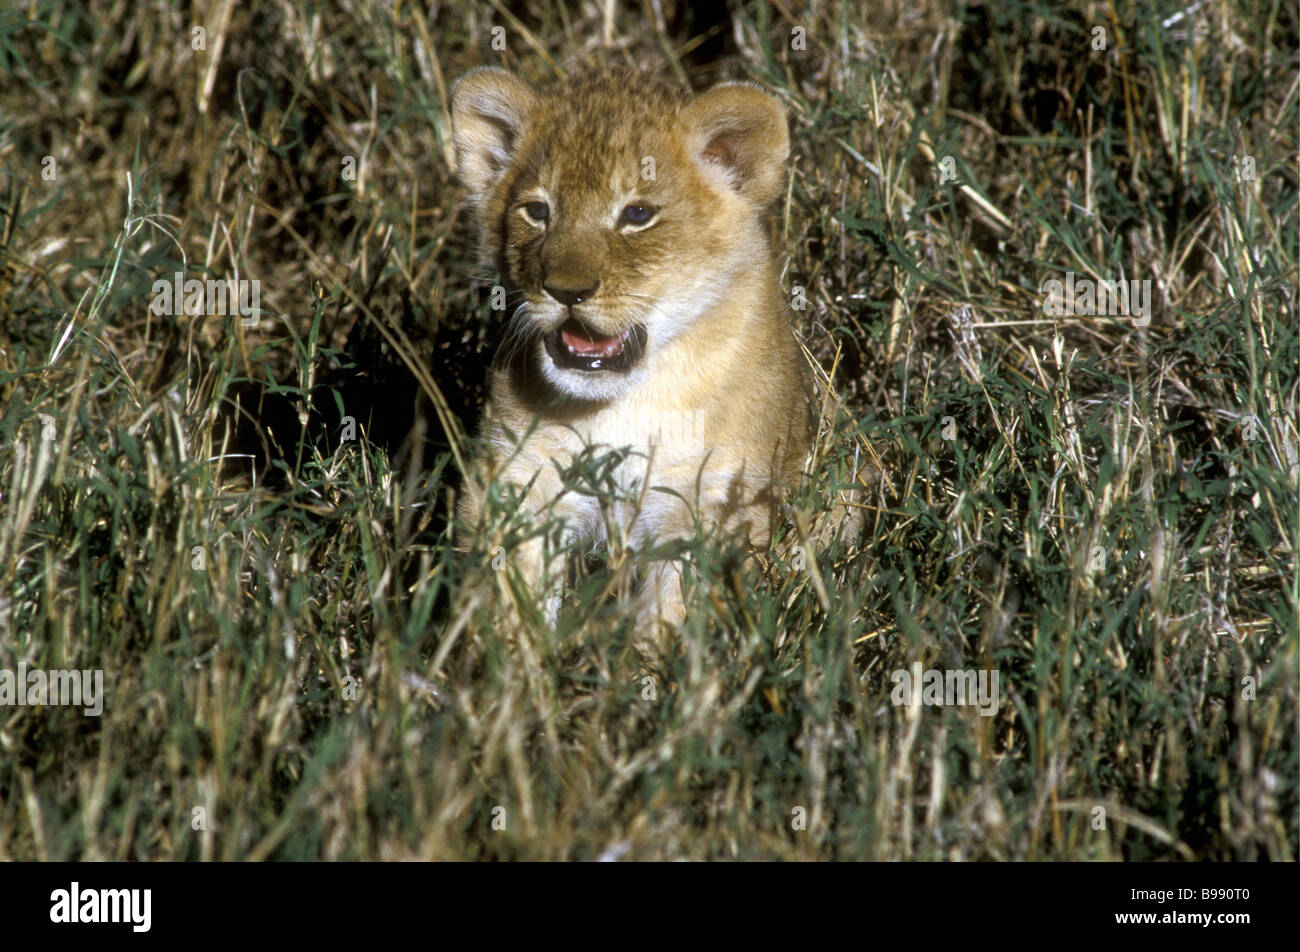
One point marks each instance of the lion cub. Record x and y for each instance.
(626, 216)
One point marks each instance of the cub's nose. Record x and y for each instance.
(571, 292)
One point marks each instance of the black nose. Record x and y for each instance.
(570, 293)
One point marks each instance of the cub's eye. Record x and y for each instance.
(537, 211)
(637, 214)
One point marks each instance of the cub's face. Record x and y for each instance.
(617, 208)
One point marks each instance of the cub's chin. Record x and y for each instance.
(584, 363)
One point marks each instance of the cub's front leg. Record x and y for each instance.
(536, 564)
(661, 607)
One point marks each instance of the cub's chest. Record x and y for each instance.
(662, 444)
(640, 453)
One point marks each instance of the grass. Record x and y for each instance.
(298, 659)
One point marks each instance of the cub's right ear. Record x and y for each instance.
(741, 130)
(489, 107)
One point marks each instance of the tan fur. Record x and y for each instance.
(717, 407)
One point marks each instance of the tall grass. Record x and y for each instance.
(300, 658)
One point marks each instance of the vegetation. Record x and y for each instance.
(299, 659)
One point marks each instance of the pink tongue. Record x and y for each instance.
(592, 347)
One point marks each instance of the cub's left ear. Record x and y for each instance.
(489, 109)
(741, 129)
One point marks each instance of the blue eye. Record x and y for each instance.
(637, 214)
(537, 211)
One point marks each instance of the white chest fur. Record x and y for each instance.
(645, 472)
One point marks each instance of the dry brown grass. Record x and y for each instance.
(328, 685)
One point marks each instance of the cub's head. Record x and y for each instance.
(618, 208)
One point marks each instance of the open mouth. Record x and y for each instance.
(575, 347)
